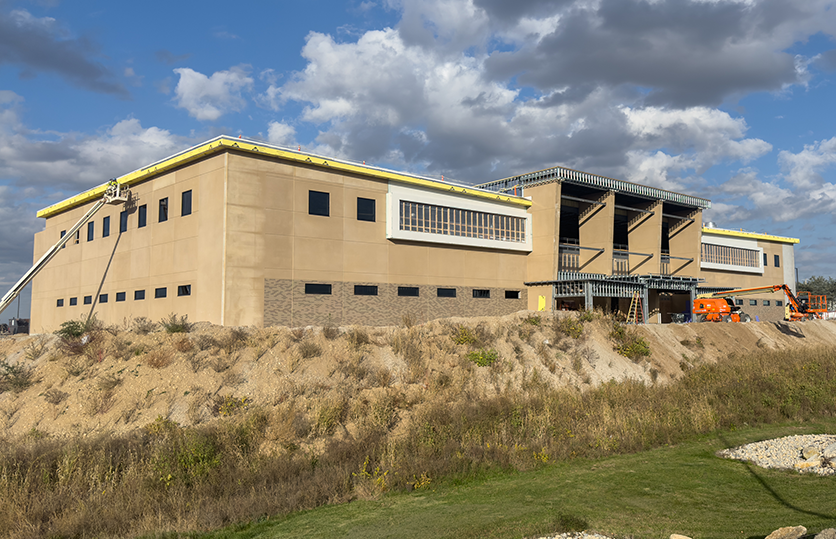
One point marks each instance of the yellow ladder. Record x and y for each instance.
(636, 314)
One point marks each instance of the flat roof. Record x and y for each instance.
(226, 143)
(745, 234)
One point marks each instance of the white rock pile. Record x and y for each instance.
(811, 453)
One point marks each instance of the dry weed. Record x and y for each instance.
(100, 403)
(109, 382)
(183, 344)
(55, 396)
(159, 358)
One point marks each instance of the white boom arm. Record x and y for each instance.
(113, 195)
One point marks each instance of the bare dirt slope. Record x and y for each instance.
(120, 379)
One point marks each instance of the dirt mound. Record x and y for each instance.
(119, 379)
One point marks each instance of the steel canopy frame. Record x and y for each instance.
(592, 285)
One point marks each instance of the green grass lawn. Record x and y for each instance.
(683, 489)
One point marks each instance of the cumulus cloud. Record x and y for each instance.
(281, 134)
(209, 98)
(42, 45)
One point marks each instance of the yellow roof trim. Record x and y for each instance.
(224, 143)
(752, 235)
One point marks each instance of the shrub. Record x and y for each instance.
(55, 396)
(158, 358)
(482, 357)
(358, 337)
(463, 335)
(533, 320)
(144, 326)
(175, 324)
(568, 326)
(234, 340)
(628, 343)
(14, 378)
(309, 349)
(228, 405)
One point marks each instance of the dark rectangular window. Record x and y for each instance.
(753, 302)
(63, 233)
(446, 292)
(91, 231)
(779, 303)
(60, 303)
(123, 221)
(77, 236)
(512, 294)
(319, 203)
(120, 296)
(764, 260)
(766, 303)
(738, 302)
(139, 295)
(186, 203)
(106, 227)
(314, 288)
(88, 300)
(102, 298)
(142, 216)
(160, 292)
(73, 301)
(777, 261)
(184, 290)
(408, 291)
(365, 290)
(163, 214)
(365, 209)
(481, 293)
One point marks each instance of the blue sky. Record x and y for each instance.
(731, 100)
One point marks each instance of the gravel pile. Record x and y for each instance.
(807, 453)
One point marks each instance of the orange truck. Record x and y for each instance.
(720, 306)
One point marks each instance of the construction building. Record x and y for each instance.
(239, 232)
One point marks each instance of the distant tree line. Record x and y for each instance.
(820, 286)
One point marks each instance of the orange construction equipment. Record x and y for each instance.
(720, 307)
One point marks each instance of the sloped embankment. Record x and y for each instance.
(120, 379)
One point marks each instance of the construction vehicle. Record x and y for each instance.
(720, 306)
(114, 194)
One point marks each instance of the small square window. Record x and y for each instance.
(738, 302)
(483, 294)
(102, 298)
(779, 303)
(365, 290)
(753, 302)
(163, 211)
(123, 221)
(365, 209)
(160, 292)
(446, 292)
(73, 301)
(91, 230)
(88, 300)
(60, 303)
(408, 291)
(315, 288)
(777, 261)
(120, 296)
(106, 227)
(139, 295)
(142, 216)
(186, 203)
(184, 290)
(766, 303)
(319, 203)
(512, 294)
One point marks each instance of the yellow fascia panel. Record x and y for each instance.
(751, 235)
(224, 143)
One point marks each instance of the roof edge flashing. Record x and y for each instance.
(751, 235)
(226, 143)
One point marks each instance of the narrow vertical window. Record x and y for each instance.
(123, 221)
(777, 261)
(63, 233)
(186, 203)
(142, 216)
(77, 237)
(163, 210)
(106, 227)
(764, 259)
(91, 231)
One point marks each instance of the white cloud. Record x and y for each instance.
(281, 134)
(209, 98)
(803, 169)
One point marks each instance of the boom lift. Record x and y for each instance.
(720, 307)
(114, 194)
